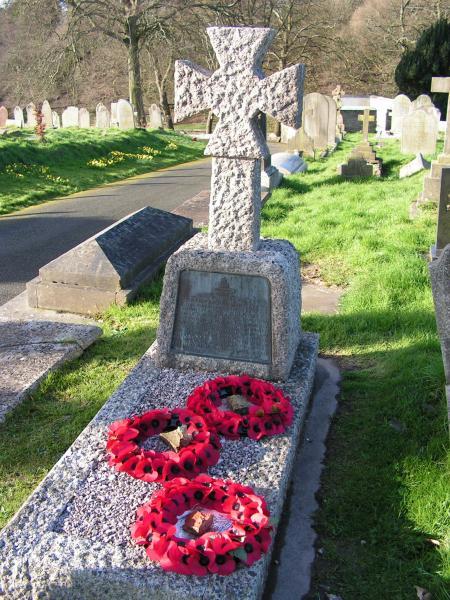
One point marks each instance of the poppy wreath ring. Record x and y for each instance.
(126, 454)
(269, 413)
(242, 543)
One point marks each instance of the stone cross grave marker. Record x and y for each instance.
(235, 93)
(442, 85)
(231, 302)
(440, 284)
(443, 222)
(3, 116)
(366, 118)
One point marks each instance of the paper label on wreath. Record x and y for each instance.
(220, 522)
(238, 404)
(176, 439)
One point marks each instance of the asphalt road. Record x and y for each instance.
(34, 236)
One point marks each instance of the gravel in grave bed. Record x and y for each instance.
(105, 504)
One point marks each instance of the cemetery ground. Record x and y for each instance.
(384, 518)
(72, 160)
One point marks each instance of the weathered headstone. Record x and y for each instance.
(421, 101)
(47, 118)
(337, 94)
(18, 117)
(432, 183)
(109, 267)
(443, 219)
(288, 163)
(125, 115)
(419, 133)
(440, 284)
(102, 118)
(315, 119)
(31, 115)
(84, 118)
(332, 121)
(156, 117)
(401, 107)
(56, 120)
(228, 298)
(302, 143)
(70, 117)
(415, 166)
(3, 116)
(114, 118)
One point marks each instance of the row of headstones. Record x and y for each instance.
(417, 124)
(121, 115)
(322, 126)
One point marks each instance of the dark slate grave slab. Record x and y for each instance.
(109, 267)
(440, 283)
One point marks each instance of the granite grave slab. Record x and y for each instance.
(109, 267)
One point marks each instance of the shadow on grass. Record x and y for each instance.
(392, 422)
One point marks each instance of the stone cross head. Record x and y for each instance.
(442, 85)
(238, 90)
(366, 118)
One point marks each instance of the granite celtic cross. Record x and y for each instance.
(236, 93)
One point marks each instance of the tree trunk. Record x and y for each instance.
(134, 72)
(164, 102)
(209, 122)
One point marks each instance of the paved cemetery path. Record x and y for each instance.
(32, 237)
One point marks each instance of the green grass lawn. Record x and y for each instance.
(386, 487)
(71, 160)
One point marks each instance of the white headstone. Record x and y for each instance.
(419, 132)
(56, 120)
(18, 117)
(420, 101)
(125, 115)
(102, 120)
(3, 116)
(288, 162)
(84, 118)
(47, 118)
(114, 119)
(156, 118)
(400, 108)
(70, 117)
(31, 115)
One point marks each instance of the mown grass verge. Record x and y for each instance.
(71, 160)
(386, 486)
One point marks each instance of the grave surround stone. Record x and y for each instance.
(109, 267)
(236, 92)
(440, 284)
(102, 117)
(3, 116)
(71, 117)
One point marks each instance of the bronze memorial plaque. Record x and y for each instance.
(223, 315)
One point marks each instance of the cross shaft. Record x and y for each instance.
(366, 118)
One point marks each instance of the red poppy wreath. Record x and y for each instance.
(197, 447)
(258, 408)
(203, 526)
